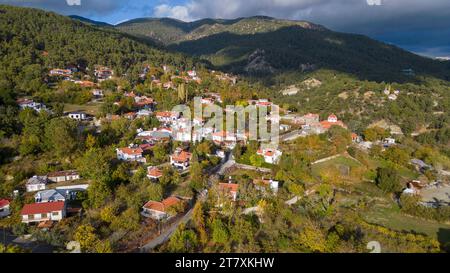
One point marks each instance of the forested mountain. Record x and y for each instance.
(168, 30)
(33, 41)
(263, 45)
(89, 21)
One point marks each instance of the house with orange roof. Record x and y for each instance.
(271, 156)
(181, 159)
(154, 173)
(160, 210)
(131, 154)
(332, 121)
(167, 116)
(264, 184)
(229, 189)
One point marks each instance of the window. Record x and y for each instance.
(55, 213)
(31, 217)
(44, 215)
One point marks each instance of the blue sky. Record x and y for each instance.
(422, 26)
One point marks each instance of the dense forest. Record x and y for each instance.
(262, 46)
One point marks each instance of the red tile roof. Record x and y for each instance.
(131, 151)
(38, 208)
(327, 125)
(155, 172)
(182, 156)
(3, 203)
(229, 187)
(162, 206)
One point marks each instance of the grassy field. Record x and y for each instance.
(335, 163)
(392, 218)
(90, 108)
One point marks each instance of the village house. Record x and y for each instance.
(413, 187)
(80, 116)
(154, 173)
(167, 116)
(223, 137)
(307, 119)
(260, 103)
(160, 210)
(143, 113)
(103, 73)
(271, 156)
(143, 102)
(181, 159)
(27, 103)
(332, 121)
(98, 93)
(265, 184)
(157, 135)
(42, 212)
(192, 73)
(63, 176)
(53, 195)
(131, 154)
(356, 138)
(182, 135)
(229, 189)
(61, 72)
(36, 183)
(130, 115)
(4, 208)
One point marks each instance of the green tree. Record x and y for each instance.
(60, 136)
(388, 180)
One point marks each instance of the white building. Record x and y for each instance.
(181, 159)
(130, 154)
(160, 210)
(36, 183)
(271, 156)
(78, 116)
(63, 176)
(4, 208)
(48, 196)
(41, 212)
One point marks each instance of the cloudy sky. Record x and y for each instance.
(422, 26)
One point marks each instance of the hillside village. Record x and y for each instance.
(94, 155)
(163, 150)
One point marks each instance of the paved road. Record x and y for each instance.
(165, 236)
(291, 136)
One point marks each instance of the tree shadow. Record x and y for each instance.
(443, 235)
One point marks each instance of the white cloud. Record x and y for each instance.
(177, 12)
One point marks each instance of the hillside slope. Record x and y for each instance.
(32, 41)
(259, 46)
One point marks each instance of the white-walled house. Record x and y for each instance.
(53, 195)
(36, 183)
(264, 184)
(181, 159)
(4, 208)
(130, 154)
(63, 176)
(41, 212)
(271, 156)
(78, 116)
(160, 210)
